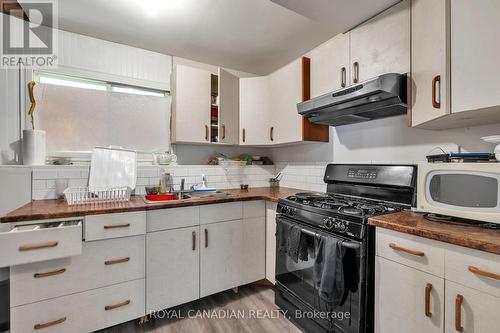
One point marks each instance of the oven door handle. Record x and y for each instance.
(347, 244)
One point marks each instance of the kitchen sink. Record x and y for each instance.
(190, 195)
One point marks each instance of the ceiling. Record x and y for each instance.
(256, 36)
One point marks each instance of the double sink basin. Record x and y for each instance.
(189, 195)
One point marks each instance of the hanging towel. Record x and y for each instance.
(294, 242)
(282, 232)
(328, 270)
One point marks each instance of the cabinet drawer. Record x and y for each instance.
(83, 312)
(114, 225)
(172, 218)
(38, 242)
(102, 263)
(253, 209)
(221, 212)
(417, 252)
(472, 268)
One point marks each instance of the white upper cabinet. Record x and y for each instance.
(229, 107)
(192, 104)
(382, 45)
(330, 68)
(475, 52)
(454, 63)
(429, 89)
(255, 111)
(286, 92)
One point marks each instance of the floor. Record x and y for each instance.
(250, 310)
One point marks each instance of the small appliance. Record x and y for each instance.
(464, 190)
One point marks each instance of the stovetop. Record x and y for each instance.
(344, 205)
(337, 213)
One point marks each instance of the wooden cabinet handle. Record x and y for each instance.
(223, 131)
(435, 80)
(271, 133)
(458, 313)
(396, 247)
(50, 323)
(206, 132)
(193, 239)
(206, 238)
(39, 246)
(116, 261)
(355, 72)
(243, 135)
(116, 306)
(343, 77)
(478, 271)
(117, 226)
(428, 290)
(47, 274)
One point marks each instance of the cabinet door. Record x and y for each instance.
(286, 92)
(474, 54)
(429, 60)
(172, 268)
(229, 107)
(330, 68)
(221, 256)
(254, 250)
(476, 312)
(192, 104)
(271, 241)
(382, 45)
(400, 299)
(254, 110)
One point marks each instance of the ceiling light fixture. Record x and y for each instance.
(152, 7)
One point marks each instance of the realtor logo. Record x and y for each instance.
(29, 33)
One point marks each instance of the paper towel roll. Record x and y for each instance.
(33, 147)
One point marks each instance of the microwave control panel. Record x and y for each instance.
(362, 173)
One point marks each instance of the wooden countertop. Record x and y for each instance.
(54, 209)
(414, 223)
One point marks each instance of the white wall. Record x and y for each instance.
(10, 120)
(387, 140)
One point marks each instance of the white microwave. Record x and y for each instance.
(466, 190)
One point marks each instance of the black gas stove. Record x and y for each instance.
(354, 194)
(342, 214)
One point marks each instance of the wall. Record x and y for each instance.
(380, 141)
(10, 118)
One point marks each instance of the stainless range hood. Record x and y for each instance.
(380, 97)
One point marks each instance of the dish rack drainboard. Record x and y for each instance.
(82, 195)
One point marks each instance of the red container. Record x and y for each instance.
(161, 197)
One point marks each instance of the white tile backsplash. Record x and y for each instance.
(256, 176)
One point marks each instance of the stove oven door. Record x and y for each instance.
(296, 279)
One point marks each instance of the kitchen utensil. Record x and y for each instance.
(166, 183)
(152, 189)
(112, 167)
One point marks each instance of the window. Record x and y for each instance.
(77, 82)
(79, 114)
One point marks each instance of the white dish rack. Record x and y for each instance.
(82, 195)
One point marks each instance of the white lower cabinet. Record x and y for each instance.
(465, 287)
(221, 256)
(172, 268)
(407, 300)
(470, 311)
(102, 263)
(82, 312)
(254, 250)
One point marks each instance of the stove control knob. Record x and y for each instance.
(328, 222)
(341, 226)
(292, 211)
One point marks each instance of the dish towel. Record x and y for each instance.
(329, 270)
(294, 242)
